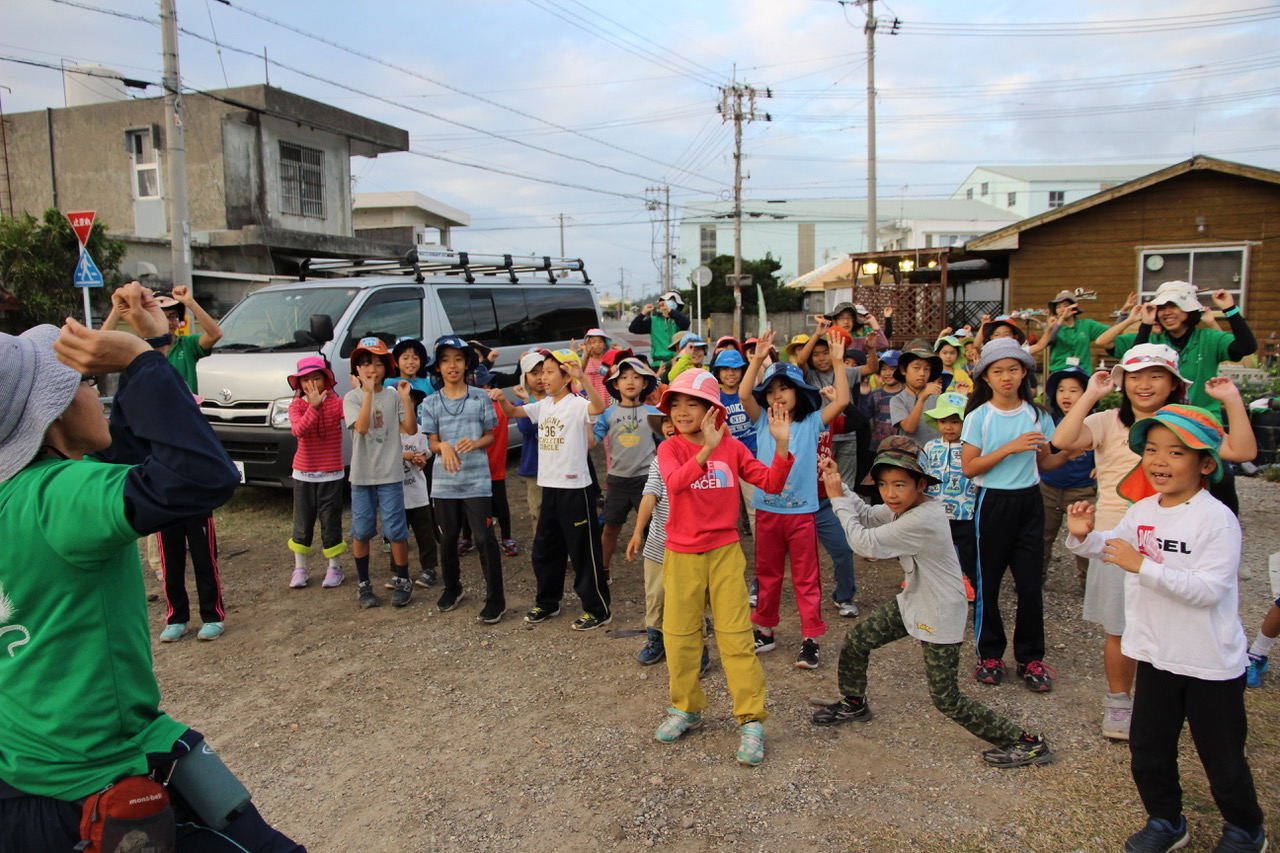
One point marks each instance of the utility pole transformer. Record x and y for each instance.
(175, 148)
(738, 104)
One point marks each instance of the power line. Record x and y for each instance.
(1126, 26)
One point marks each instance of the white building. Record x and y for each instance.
(1026, 191)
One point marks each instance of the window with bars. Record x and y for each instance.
(1013, 199)
(1208, 268)
(301, 180)
(706, 243)
(146, 171)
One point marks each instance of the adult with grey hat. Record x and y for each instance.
(1071, 336)
(661, 322)
(79, 702)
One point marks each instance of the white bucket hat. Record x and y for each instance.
(1178, 293)
(1148, 355)
(35, 388)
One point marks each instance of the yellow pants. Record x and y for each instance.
(653, 594)
(691, 582)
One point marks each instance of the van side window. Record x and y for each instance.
(470, 313)
(559, 313)
(389, 314)
(518, 316)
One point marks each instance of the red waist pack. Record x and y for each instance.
(133, 814)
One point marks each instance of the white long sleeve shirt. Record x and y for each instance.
(1182, 607)
(933, 602)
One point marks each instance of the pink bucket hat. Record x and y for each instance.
(311, 364)
(699, 383)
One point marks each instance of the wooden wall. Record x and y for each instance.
(1098, 248)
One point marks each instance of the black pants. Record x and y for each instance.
(1214, 711)
(965, 539)
(567, 530)
(449, 515)
(500, 508)
(318, 500)
(422, 521)
(199, 536)
(1010, 537)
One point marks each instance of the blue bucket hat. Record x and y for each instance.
(889, 358)
(728, 358)
(480, 377)
(454, 342)
(790, 374)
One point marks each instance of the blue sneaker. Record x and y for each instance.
(1236, 840)
(1158, 836)
(173, 633)
(654, 649)
(210, 631)
(1258, 664)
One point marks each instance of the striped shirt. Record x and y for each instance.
(319, 434)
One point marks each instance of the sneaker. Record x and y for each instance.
(654, 649)
(491, 615)
(364, 593)
(808, 658)
(210, 631)
(1158, 836)
(589, 621)
(510, 548)
(764, 642)
(1028, 749)
(426, 580)
(298, 579)
(1117, 712)
(403, 591)
(449, 600)
(753, 592)
(391, 583)
(333, 577)
(465, 546)
(1236, 840)
(1258, 664)
(173, 633)
(1037, 676)
(845, 711)
(538, 615)
(989, 671)
(751, 744)
(677, 723)
(848, 609)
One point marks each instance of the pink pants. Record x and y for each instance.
(778, 535)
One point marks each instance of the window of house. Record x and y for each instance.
(943, 240)
(986, 188)
(146, 171)
(968, 193)
(1057, 198)
(301, 180)
(1209, 268)
(1013, 199)
(707, 243)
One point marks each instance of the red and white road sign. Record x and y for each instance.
(81, 223)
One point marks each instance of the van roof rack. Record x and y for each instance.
(421, 262)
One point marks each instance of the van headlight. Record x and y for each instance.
(279, 417)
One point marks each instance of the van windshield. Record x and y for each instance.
(281, 319)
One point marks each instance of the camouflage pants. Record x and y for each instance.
(941, 667)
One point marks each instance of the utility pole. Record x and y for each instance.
(562, 219)
(873, 226)
(666, 219)
(622, 292)
(175, 147)
(738, 104)
(658, 200)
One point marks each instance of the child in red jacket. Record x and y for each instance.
(315, 416)
(704, 564)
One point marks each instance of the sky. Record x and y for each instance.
(523, 111)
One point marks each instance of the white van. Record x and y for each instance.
(510, 304)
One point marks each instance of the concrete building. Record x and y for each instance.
(405, 217)
(268, 176)
(1025, 191)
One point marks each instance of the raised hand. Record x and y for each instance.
(830, 477)
(1080, 519)
(711, 434)
(88, 351)
(779, 424)
(1222, 389)
(1223, 300)
(1101, 384)
(182, 293)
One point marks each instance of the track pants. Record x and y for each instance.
(941, 666)
(198, 534)
(778, 535)
(690, 583)
(1214, 711)
(323, 501)
(449, 514)
(1010, 526)
(567, 530)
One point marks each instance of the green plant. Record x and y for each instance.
(38, 259)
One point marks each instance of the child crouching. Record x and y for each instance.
(703, 563)
(913, 527)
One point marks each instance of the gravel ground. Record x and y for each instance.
(412, 730)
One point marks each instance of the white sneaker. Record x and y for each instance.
(1116, 715)
(848, 609)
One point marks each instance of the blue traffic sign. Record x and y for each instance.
(87, 272)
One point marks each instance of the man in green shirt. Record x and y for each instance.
(186, 350)
(1071, 336)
